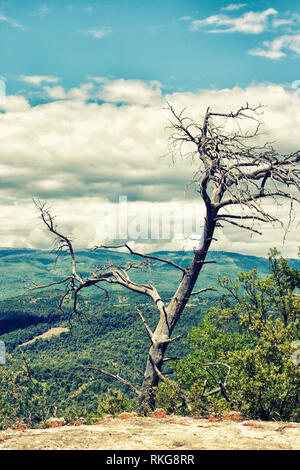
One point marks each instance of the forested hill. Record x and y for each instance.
(18, 265)
(110, 334)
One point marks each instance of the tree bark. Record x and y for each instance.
(170, 315)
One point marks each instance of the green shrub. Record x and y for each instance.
(114, 402)
(245, 342)
(22, 398)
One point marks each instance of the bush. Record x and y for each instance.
(114, 402)
(250, 333)
(265, 382)
(21, 396)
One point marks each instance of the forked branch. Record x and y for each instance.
(233, 169)
(135, 253)
(116, 377)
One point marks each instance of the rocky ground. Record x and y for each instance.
(150, 433)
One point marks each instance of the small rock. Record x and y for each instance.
(55, 422)
(126, 415)
(159, 413)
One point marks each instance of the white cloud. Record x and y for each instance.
(42, 11)
(290, 20)
(98, 79)
(38, 79)
(98, 33)
(131, 92)
(82, 220)
(56, 92)
(249, 23)
(268, 54)
(281, 22)
(234, 6)
(274, 49)
(256, 23)
(11, 22)
(80, 155)
(14, 104)
(76, 94)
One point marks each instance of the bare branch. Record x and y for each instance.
(125, 245)
(116, 377)
(222, 384)
(203, 290)
(240, 217)
(232, 170)
(241, 226)
(36, 286)
(173, 339)
(149, 332)
(61, 240)
(166, 359)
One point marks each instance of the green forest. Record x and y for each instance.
(240, 339)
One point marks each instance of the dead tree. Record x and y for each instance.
(235, 175)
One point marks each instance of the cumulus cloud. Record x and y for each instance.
(90, 221)
(81, 93)
(38, 79)
(56, 92)
(119, 91)
(80, 154)
(275, 49)
(14, 104)
(249, 23)
(131, 92)
(256, 23)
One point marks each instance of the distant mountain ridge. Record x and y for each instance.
(19, 264)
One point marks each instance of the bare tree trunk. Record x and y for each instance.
(153, 368)
(171, 314)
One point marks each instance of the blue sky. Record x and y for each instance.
(185, 45)
(83, 121)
